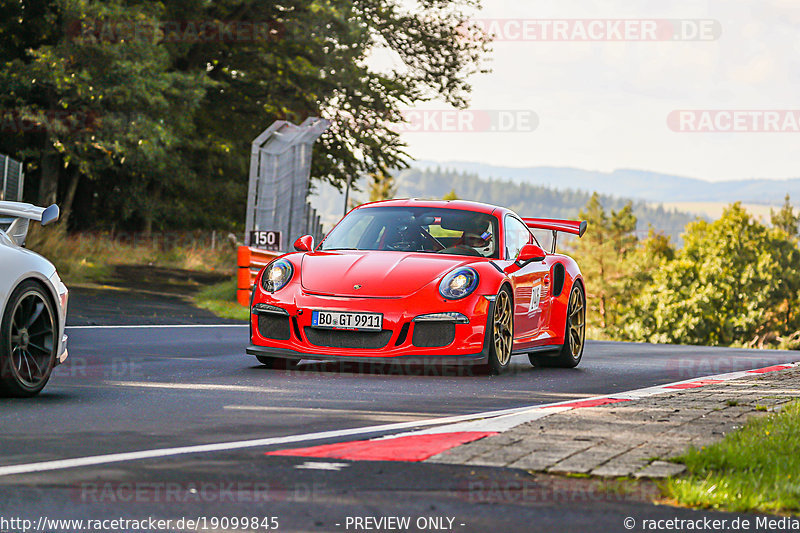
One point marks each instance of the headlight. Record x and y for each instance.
(459, 283)
(277, 275)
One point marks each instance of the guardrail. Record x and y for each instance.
(12, 179)
(250, 262)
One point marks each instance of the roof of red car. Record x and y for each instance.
(450, 204)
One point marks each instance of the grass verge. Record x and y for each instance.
(102, 258)
(754, 469)
(86, 257)
(220, 299)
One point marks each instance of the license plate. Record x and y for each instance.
(347, 320)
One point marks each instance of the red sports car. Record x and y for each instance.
(419, 281)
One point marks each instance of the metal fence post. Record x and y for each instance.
(5, 176)
(21, 183)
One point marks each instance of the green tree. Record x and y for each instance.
(175, 110)
(382, 187)
(451, 195)
(644, 260)
(88, 108)
(639, 267)
(734, 281)
(785, 219)
(602, 252)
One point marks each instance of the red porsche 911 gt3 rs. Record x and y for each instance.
(420, 281)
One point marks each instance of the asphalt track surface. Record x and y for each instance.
(146, 388)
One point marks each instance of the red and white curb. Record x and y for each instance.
(413, 448)
(423, 444)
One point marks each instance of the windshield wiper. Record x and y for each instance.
(337, 249)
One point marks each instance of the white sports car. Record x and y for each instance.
(33, 305)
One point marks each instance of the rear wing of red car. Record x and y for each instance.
(575, 227)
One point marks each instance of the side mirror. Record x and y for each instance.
(529, 253)
(304, 243)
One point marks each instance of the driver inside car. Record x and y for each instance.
(476, 238)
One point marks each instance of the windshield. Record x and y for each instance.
(416, 229)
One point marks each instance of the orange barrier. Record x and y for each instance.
(250, 262)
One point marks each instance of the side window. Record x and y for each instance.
(517, 235)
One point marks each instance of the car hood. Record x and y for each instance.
(378, 274)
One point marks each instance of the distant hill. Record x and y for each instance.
(639, 184)
(525, 199)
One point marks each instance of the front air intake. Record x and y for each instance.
(433, 334)
(274, 327)
(335, 338)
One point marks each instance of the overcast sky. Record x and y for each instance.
(604, 105)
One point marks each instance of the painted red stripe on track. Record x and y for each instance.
(591, 403)
(769, 369)
(694, 384)
(409, 448)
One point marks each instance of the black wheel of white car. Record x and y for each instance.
(29, 341)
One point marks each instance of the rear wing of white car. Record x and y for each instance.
(15, 218)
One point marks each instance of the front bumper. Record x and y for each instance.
(473, 359)
(62, 297)
(469, 346)
(63, 353)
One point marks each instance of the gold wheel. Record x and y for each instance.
(503, 328)
(576, 322)
(570, 353)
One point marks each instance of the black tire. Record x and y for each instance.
(28, 341)
(501, 341)
(277, 363)
(571, 352)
